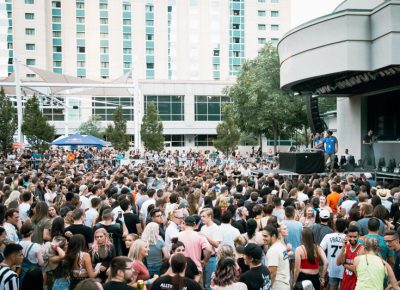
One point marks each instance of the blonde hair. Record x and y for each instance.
(207, 211)
(151, 233)
(371, 244)
(137, 246)
(14, 195)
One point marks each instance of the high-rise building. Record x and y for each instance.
(184, 51)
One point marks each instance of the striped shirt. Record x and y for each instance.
(8, 279)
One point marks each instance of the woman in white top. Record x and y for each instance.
(227, 276)
(33, 254)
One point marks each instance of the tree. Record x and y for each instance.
(35, 126)
(228, 134)
(8, 123)
(92, 127)
(116, 133)
(152, 129)
(259, 105)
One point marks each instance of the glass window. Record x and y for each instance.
(29, 16)
(126, 22)
(80, 5)
(103, 20)
(170, 108)
(261, 1)
(204, 140)
(216, 67)
(30, 46)
(261, 13)
(104, 49)
(274, 13)
(236, 39)
(103, 6)
(150, 65)
(275, 27)
(149, 36)
(274, 41)
(104, 64)
(209, 108)
(56, 33)
(81, 63)
(29, 1)
(104, 107)
(103, 34)
(150, 51)
(126, 7)
(262, 40)
(174, 140)
(236, 53)
(30, 61)
(274, 1)
(30, 75)
(80, 49)
(56, 4)
(127, 36)
(127, 50)
(216, 52)
(149, 22)
(74, 111)
(262, 27)
(57, 49)
(81, 19)
(57, 63)
(29, 31)
(236, 12)
(149, 8)
(127, 65)
(80, 35)
(235, 26)
(56, 19)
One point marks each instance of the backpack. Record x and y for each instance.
(27, 265)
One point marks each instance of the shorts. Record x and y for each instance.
(334, 281)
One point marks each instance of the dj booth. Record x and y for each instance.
(302, 162)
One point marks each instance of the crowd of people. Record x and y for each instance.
(85, 219)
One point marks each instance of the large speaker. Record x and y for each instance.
(302, 162)
(313, 117)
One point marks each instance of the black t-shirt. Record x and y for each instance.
(367, 139)
(117, 286)
(257, 278)
(131, 220)
(83, 230)
(396, 268)
(190, 272)
(115, 233)
(165, 283)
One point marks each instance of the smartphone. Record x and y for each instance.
(120, 214)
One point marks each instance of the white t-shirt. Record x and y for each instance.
(90, 216)
(145, 206)
(277, 256)
(302, 197)
(347, 204)
(213, 232)
(36, 248)
(332, 244)
(23, 209)
(229, 233)
(85, 202)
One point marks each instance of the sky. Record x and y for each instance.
(305, 10)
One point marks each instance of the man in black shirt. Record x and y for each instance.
(258, 277)
(120, 274)
(79, 228)
(132, 220)
(368, 149)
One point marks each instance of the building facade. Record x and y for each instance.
(184, 52)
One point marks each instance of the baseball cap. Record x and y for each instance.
(324, 214)
(253, 250)
(82, 187)
(190, 221)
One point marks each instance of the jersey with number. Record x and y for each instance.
(349, 277)
(332, 244)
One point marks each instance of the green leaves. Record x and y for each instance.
(92, 127)
(152, 129)
(8, 123)
(228, 132)
(259, 105)
(35, 126)
(116, 133)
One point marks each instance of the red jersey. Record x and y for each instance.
(350, 278)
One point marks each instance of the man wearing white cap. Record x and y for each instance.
(322, 229)
(85, 202)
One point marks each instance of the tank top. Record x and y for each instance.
(370, 273)
(305, 264)
(81, 272)
(349, 277)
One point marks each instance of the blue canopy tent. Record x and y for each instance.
(80, 140)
